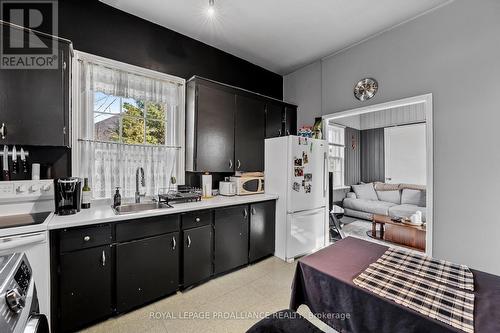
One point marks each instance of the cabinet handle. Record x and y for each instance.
(197, 219)
(245, 213)
(86, 238)
(279, 132)
(253, 211)
(238, 165)
(230, 164)
(287, 132)
(3, 131)
(189, 241)
(174, 243)
(103, 258)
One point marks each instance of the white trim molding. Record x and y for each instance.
(427, 101)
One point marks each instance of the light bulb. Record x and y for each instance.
(211, 11)
(211, 8)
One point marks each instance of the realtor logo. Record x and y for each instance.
(28, 48)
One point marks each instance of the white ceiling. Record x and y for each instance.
(280, 35)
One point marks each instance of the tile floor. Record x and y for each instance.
(260, 288)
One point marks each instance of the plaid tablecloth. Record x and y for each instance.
(441, 271)
(436, 300)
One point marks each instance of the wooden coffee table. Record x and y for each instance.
(399, 233)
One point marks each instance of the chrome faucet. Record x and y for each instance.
(138, 195)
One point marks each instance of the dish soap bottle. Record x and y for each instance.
(117, 200)
(86, 194)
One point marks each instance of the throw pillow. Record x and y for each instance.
(393, 196)
(365, 191)
(413, 197)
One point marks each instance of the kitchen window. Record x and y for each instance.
(126, 117)
(336, 152)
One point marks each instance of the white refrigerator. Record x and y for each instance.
(296, 170)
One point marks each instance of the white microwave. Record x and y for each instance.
(248, 185)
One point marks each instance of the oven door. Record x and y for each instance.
(37, 324)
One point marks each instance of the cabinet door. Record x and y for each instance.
(249, 134)
(197, 256)
(262, 230)
(34, 104)
(231, 238)
(214, 130)
(290, 120)
(85, 287)
(146, 269)
(274, 120)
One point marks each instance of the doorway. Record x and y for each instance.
(368, 134)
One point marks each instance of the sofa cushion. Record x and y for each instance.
(413, 197)
(393, 196)
(365, 191)
(406, 210)
(368, 206)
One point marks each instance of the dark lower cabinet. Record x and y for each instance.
(262, 230)
(231, 238)
(197, 259)
(85, 287)
(146, 269)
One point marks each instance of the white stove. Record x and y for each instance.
(25, 208)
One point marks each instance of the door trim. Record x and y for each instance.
(427, 101)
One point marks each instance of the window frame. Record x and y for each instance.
(75, 102)
(342, 159)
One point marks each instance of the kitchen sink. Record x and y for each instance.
(139, 207)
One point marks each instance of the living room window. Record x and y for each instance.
(336, 153)
(126, 117)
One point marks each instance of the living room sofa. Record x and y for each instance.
(394, 200)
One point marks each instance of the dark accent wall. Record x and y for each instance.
(372, 155)
(100, 29)
(352, 156)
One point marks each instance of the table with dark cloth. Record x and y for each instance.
(323, 282)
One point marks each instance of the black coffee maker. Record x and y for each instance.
(68, 195)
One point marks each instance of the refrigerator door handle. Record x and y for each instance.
(324, 174)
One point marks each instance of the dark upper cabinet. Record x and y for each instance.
(262, 230)
(226, 126)
(290, 119)
(146, 269)
(34, 103)
(209, 129)
(231, 238)
(249, 133)
(274, 119)
(85, 287)
(197, 261)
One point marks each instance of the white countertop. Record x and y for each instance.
(104, 213)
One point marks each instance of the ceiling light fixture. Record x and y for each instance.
(211, 8)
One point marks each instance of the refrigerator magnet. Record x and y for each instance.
(308, 177)
(296, 186)
(299, 172)
(305, 158)
(297, 162)
(307, 188)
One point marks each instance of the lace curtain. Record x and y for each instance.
(109, 164)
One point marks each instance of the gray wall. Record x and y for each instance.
(372, 155)
(352, 174)
(304, 90)
(453, 53)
